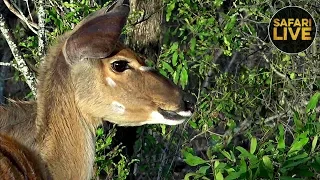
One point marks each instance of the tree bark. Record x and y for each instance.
(146, 35)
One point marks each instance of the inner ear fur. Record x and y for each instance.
(97, 35)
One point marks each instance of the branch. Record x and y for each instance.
(287, 114)
(284, 76)
(208, 77)
(3, 72)
(145, 18)
(6, 64)
(30, 24)
(234, 57)
(164, 154)
(21, 64)
(10, 64)
(273, 68)
(28, 7)
(277, 116)
(41, 32)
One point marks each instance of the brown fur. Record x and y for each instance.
(74, 97)
(17, 120)
(17, 162)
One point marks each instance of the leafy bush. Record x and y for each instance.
(257, 114)
(254, 115)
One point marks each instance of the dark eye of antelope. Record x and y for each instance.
(120, 66)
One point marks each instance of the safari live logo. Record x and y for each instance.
(292, 29)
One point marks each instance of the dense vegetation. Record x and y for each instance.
(257, 113)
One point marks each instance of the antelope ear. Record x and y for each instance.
(96, 35)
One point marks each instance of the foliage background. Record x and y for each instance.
(257, 112)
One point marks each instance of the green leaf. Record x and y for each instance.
(300, 156)
(233, 158)
(163, 72)
(316, 166)
(184, 77)
(245, 153)
(218, 3)
(192, 160)
(175, 58)
(236, 175)
(226, 154)
(230, 25)
(188, 175)
(267, 162)
(292, 75)
(174, 47)
(203, 170)
(313, 102)
(294, 164)
(314, 143)
(297, 121)
(167, 67)
(299, 143)
(169, 10)
(286, 58)
(281, 142)
(192, 44)
(176, 74)
(163, 129)
(233, 175)
(253, 145)
(99, 132)
(219, 176)
(193, 124)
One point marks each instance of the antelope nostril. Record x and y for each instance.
(189, 106)
(189, 102)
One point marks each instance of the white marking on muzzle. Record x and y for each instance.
(145, 68)
(110, 82)
(157, 118)
(118, 107)
(185, 113)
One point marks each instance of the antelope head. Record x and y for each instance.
(112, 83)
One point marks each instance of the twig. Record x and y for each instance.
(30, 24)
(204, 132)
(271, 118)
(234, 57)
(144, 18)
(41, 32)
(206, 80)
(21, 64)
(28, 7)
(274, 69)
(6, 64)
(284, 76)
(164, 154)
(178, 147)
(287, 114)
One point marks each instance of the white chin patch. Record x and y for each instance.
(110, 82)
(157, 118)
(118, 107)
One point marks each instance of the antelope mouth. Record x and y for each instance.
(168, 117)
(173, 115)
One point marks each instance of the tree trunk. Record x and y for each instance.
(146, 34)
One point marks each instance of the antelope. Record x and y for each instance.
(18, 119)
(89, 77)
(18, 162)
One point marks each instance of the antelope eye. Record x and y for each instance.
(120, 66)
